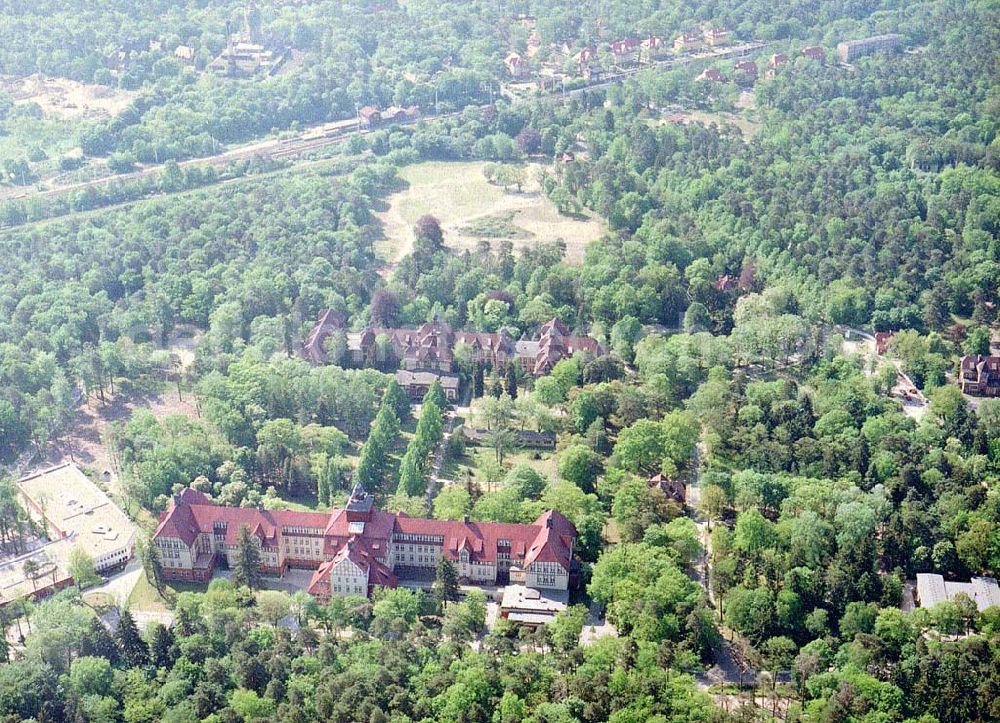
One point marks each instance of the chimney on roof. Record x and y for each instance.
(548, 522)
(465, 519)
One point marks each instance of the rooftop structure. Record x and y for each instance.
(853, 49)
(933, 589)
(711, 74)
(359, 547)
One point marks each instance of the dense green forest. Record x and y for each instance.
(864, 196)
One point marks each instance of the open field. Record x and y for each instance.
(470, 210)
(66, 98)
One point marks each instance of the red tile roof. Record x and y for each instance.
(548, 539)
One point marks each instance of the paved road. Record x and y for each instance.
(120, 586)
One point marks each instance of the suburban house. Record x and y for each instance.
(517, 66)
(714, 37)
(775, 62)
(369, 117)
(746, 71)
(882, 339)
(674, 489)
(358, 548)
(655, 46)
(688, 41)
(814, 52)
(626, 51)
(588, 63)
(933, 589)
(980, 375)
(711, 74)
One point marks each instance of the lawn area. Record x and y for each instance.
(470, 210)
(145, 598)
(458, 469)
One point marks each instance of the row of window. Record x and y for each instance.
(349, 589)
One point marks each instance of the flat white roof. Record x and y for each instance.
(73, 506)
(531, 601)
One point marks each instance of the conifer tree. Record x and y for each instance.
(247, 569)
(395, 398)
(161, 646)
(435, 393)
(510, 381)
(98, 643)
(446, 581)
(133, 648)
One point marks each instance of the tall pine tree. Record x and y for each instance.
(446, 581)
(133, 648)
(247, 569)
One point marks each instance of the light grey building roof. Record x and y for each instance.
(933, 589)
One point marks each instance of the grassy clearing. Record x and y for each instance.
(543, 462)
(470, 210)
(145, 598)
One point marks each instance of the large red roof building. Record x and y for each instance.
(431, 346)
(358, 547)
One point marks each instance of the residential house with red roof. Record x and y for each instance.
(715, 37)
(814, 52)
(712, 74)
(688, 41)
(746, 72)
(980, 375)
(626, 51)
(358, 548)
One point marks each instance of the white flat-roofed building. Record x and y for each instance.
(71, 506)
(933, 589)
(532, 607)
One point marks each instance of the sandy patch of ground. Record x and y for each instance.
(459, 196)
(83, 442)
(66, 98)
(747, 127)
(182, 344)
